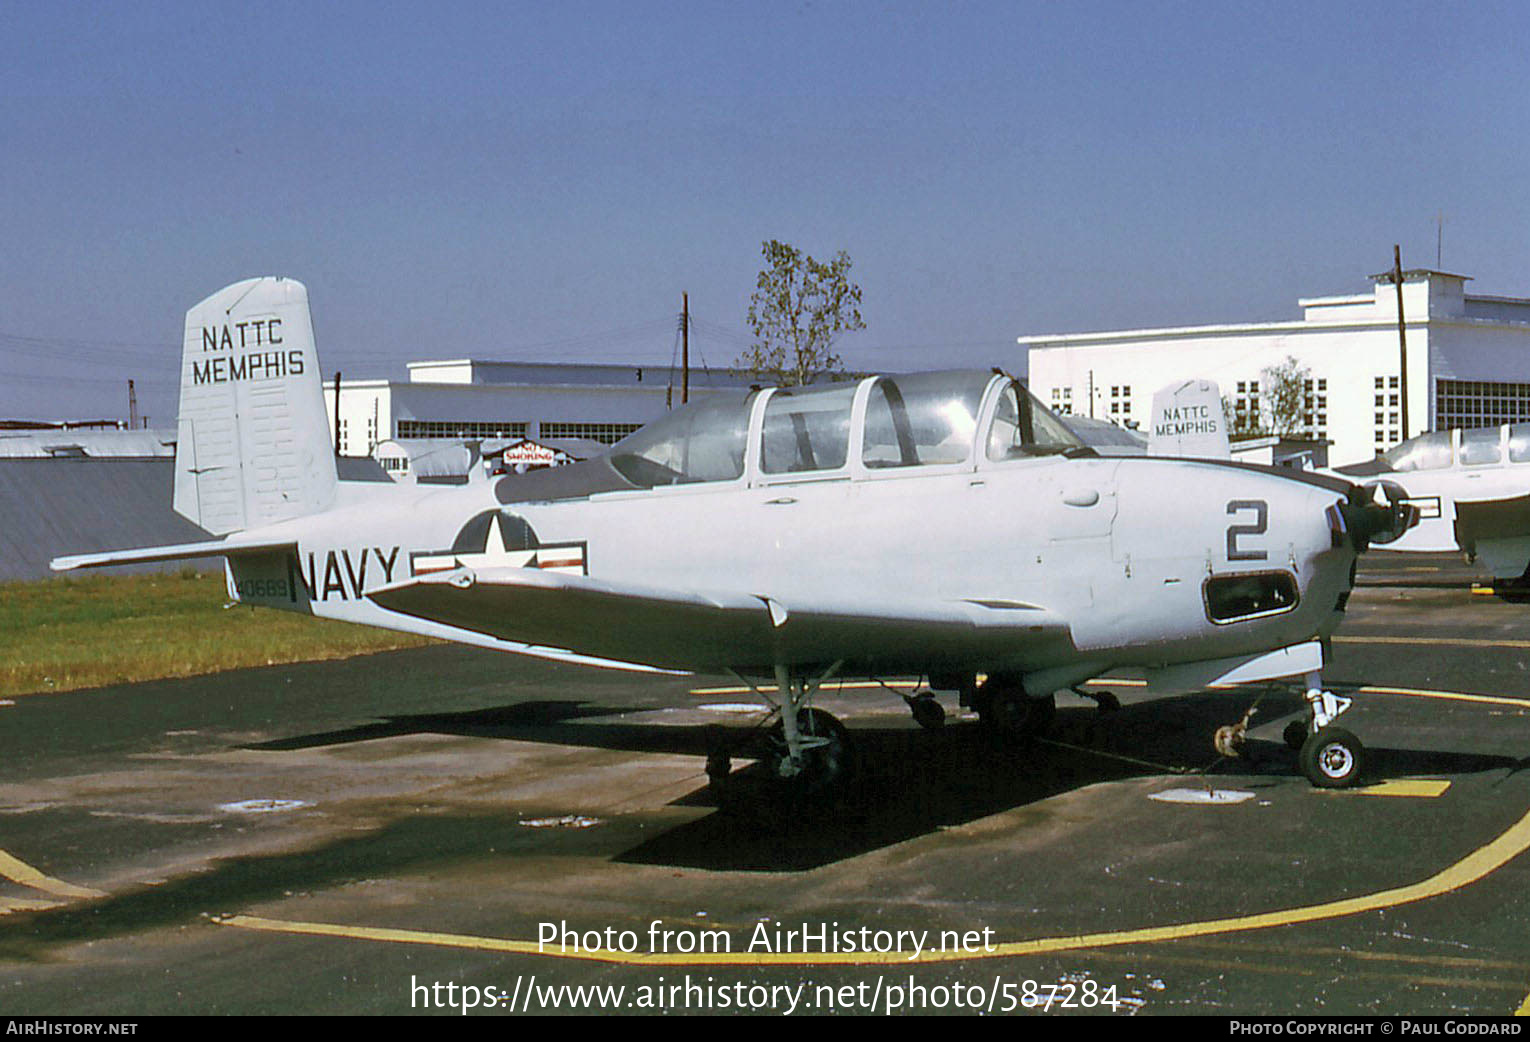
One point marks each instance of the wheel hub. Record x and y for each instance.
(1335, 760)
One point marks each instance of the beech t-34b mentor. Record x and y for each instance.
(940, 524)
(1472, 492)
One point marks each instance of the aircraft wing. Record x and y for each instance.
(1491, 519)
(720, 630)
(1497, 531)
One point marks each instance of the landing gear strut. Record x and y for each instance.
(806, 754)
(1330, 757)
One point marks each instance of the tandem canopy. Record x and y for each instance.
(941, 419)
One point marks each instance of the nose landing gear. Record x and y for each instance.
(1330, 757)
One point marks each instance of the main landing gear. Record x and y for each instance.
(1007, 711)
(804, 756)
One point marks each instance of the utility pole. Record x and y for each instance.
(1396, 276)
(685, 348)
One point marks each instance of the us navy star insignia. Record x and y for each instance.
(564, 557)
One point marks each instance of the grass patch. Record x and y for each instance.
(92, 631)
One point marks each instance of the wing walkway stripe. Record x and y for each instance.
(1475, 866)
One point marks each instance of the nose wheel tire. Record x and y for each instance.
(1332, 758)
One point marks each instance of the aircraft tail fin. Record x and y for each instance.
(253, 443)
(1188, 421)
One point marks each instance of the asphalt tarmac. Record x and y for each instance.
(397, 833)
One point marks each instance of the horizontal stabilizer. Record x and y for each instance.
(711, 630)
(173, 552)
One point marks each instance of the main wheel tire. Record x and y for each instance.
(1107, 702)
(759, 796)
(1332, 758)
(826, 768)
(928, 713)
(1009, 712)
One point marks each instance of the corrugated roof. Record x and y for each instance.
(43, 444)
(50, 507)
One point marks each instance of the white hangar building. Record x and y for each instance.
(469, 398)
(1468, 363)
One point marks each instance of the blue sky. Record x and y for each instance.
(542, 181)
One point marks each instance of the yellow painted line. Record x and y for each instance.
(18, 871)
(1447, 642)
(25, 904)
(1476, 865)
(1449, 696)
(1418, 788)
(827, 687)
(1484, 591)
(1457, 696)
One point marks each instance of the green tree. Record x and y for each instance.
(1285, 398)
(799, 308)
(1280, 403)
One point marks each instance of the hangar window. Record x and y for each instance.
(921, 420)
(1022, 426)
(1233, 598)
(807, 430)
(700, 442)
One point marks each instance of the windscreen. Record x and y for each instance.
(1426, 452)
(700, 442)
(1022, 426)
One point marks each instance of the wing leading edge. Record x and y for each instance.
(715, 631)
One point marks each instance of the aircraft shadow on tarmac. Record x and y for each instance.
(414, 843)
(909, 782)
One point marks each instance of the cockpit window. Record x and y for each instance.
(807, 429)
(921, 420)
(1519, 443)
(1426, 452)
(1480, 447)
(1022, 426)
(700, 442)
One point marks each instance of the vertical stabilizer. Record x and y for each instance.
(1188, 421)
(253, 444)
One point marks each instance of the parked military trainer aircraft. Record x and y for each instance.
(1472, 491)
(939, 524)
